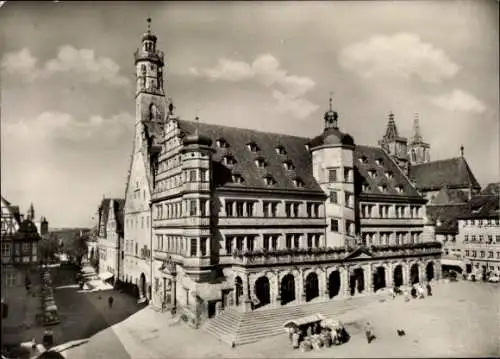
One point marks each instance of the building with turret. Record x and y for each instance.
(220, 218)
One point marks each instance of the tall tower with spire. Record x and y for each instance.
(30, 214)
(396, 146)
(418, 150)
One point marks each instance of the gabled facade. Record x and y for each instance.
(110, 236)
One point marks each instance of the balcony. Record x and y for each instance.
(182, 222)
(392, 222)
(196, 187)
(288, 256)
(407, 249)
(271, 221)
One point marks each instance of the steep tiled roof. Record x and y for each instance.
(449, 196)
(265, 143)
(293, 150)
(482, 206)
(376, 161)
(453, 172)
(446, 217)
(491, 188)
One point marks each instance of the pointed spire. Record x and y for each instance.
(331, 101)
(391, 131)
(461, 150)
(149, 24)
(330, 115)
(197, 122)
(417, 137)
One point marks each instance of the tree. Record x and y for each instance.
(77, 247)
(48, 247)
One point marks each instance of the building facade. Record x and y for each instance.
(243, 218)
(110, 235)
(479, 235)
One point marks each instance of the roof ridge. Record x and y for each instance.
(241, 129)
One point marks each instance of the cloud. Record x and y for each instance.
(402, 55)
(81, 62)
(288, 90)
(50, 126)
(459, 100)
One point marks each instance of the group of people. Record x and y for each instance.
(417, 291)
(315, 336)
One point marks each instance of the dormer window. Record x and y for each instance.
(237, 178)
(221, 143)
(365, 187)
(389, 175)
(252, 147)
(288, 165)
(382, 188)
(269, 180)
(363, 160)
(399, 189)
(379, 162)
(280, 150)
(260, 162)
(372, 173)
(298, 183)
(229, 160)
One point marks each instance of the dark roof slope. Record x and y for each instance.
(453, 172)
(449, 196)
(296, 153)
(237, 139)
(491, 188)
(446, 217)
(482, 206)
(365, 160)
(119, 205)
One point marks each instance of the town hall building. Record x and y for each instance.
(222, 217)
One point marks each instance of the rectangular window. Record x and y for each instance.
(194, 249)
(266, 241)
(274, 242)
(203, 246)
(482, 254)
(265, 208)
(309, 209)
(333, 197)
(239, 243)
(274, 209)
(192, 207)
(498, 255)
(288, 242)
(11, 279)
(203, 175)
(467, 252)
(296, 241)
(474, 253)
(229, 208)
(490, 239)
(250, 209)
(288, 209)
(295, 208)
(466, 238)
(332, 175)
(310, 240)
(334, 225)
(250, 243)
(192, 176)
(490, 254)
(239, 209)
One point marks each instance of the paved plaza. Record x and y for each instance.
(460, 319)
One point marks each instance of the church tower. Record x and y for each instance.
(150, 92)
(418, 151)
(395, 145)
(30, 214)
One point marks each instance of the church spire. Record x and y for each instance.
(391, 131)
(417, 136)
(30, 215)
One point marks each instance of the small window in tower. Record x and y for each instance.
(143, 69)
(280, 150)
(260, 162)
(252, 146)
(269, 180)
(288, 165)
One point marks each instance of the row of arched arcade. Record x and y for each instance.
(302, 285)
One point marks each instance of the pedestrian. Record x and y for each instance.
(370, 336)
(110, 301)
(429, 290)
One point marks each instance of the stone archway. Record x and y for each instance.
(414, 275)
(262, 290)
(334, 283)
(287, 289)
(357, 281)
(379, 278)
(429, 271)
(398, 276)
(238, 290)
(311, 286)
(142, 285)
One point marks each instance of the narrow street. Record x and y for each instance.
(85, 314)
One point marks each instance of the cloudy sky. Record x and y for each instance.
(67, 86)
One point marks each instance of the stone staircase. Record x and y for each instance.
(238, 328)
